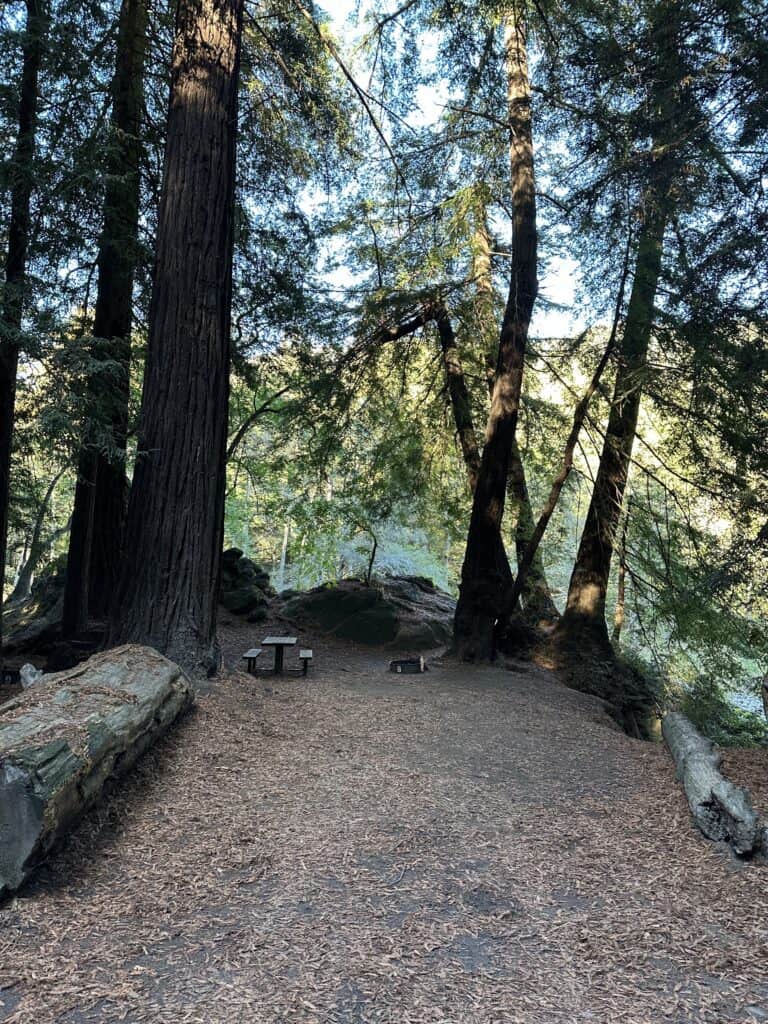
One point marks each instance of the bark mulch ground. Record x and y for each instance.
(465, 847)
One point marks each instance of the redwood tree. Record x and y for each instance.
(13, 297)
(101, 489)
(168, 590)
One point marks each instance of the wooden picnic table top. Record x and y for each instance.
(279, 641)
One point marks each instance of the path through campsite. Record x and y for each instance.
(467, 847)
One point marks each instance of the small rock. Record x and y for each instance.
(29, 675)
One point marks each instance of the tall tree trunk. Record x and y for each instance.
(673, 115)
(585, 608)
(461, 403)
(535, 592)
(23, 586)
(22, 176)
(101, 491)
(526, 559)
(486, 578)
(283, 556)
(619, 613)
(167, 596)
(484, 296)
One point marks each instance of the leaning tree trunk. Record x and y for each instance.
(23, 586)
(535, 592)
(486, 578)
(461, 402)
(526, 559)
(585, 608)
(22, 178)
(101, 491)
(169, 583)
(674, 117)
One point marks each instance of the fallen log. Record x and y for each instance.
(721, 810)
(67, 736)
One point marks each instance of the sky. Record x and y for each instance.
(559, 280)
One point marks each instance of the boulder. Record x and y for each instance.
(67, 737)
(245, 588)
(405, 612)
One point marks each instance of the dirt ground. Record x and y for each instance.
(464, 847)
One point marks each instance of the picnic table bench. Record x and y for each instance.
(279, 643)
(250, 657)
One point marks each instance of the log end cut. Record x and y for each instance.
(67, 736)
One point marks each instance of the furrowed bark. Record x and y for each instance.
(13, 299)
(168, 591)
(101, 491)
(619, 612)
(486, 579)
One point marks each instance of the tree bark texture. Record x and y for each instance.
(101, 492)
(722, 811)
(169, 584)
(536, 595)
(13, 299)
(585, 608)
(486, 578)
(671, 111)
(64, 739)
(534, 592)
(74, 616)
(619, 612)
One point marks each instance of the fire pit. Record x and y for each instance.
(408, 666)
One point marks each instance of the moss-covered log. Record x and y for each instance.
(721, 810)
(67, 736)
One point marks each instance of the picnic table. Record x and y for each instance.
(279, 643)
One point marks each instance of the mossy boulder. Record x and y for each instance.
(406, 612)
(245, 587)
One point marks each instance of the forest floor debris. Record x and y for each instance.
(465, 847)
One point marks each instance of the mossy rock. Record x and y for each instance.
(371, 626)
(330, 606)
(245, 588)
(244, 600)
(420, 635)
(402, 612)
